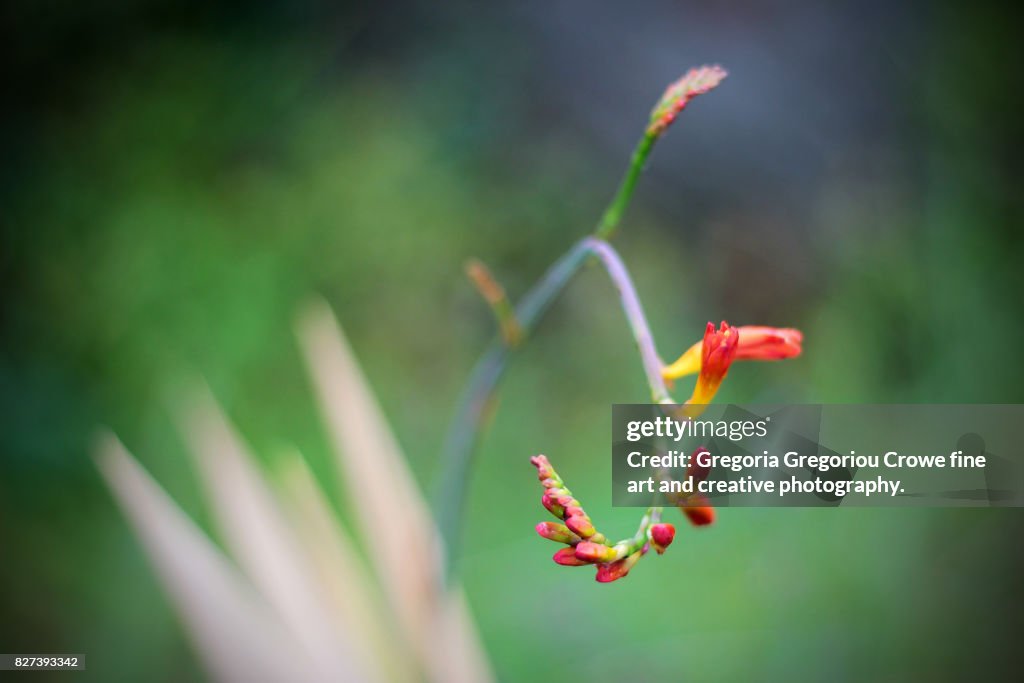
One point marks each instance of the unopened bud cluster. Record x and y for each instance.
(586, 545)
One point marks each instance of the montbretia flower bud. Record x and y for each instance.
(698, 510)
(581, 526)
(572, 507)
(544, 469)
(567, 558)
(553, 531)
(596, 552)
(613, 571)
(660, 536)
(550, 501)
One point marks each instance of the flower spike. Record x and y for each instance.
(586, 545)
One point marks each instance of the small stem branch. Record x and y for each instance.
(464, 433)
(494, 294)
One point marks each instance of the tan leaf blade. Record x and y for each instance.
(263, 543)
(236, 636)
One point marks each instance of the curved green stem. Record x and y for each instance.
(613, 214)
(464, 433)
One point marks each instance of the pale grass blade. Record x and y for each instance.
(261, 540)
(353, 595)
(236, 635)
(394, 518)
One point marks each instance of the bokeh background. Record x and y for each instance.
(178, 178)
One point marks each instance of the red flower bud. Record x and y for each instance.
(698, 510)
(661, 536)
(567, 557)
(572, 507)
(553, 531)
(544, 469)
(614, 571)
(549, 501)
(581, 526)
(595, 552)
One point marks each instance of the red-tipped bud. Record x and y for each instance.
(697, 471)
(572, 507)
(614, 571)
(550, 501)
(553, 531)
(661, 536)
(581, 526)
(544, 469)
(567, 558)
(595, 552)
(768, 343)
(698, 510)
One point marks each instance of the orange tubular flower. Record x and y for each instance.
(717, 353)
(757, 342)
(769, 343)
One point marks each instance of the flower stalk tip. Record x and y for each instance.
(696, 81)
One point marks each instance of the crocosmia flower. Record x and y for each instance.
(717, 354)
(756, 342)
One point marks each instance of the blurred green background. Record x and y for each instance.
(180, 177)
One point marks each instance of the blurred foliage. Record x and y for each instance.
(180, 180)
